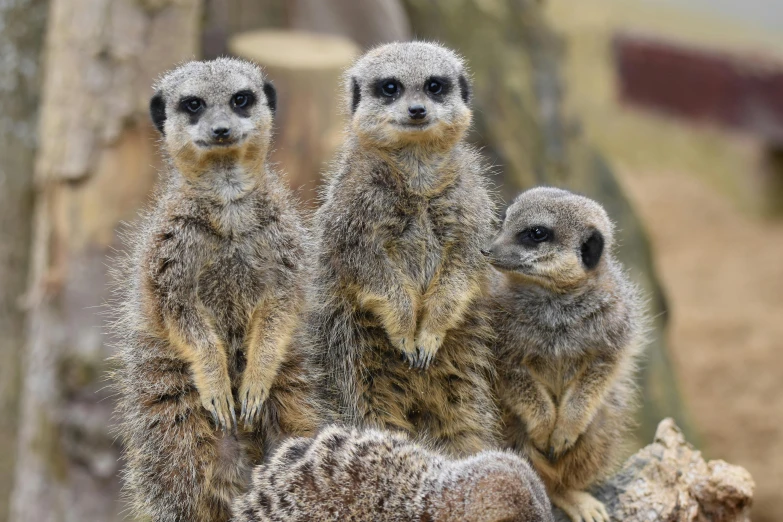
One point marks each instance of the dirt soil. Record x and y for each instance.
(723, 273)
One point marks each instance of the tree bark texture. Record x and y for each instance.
(22, 24)
(95, 167)
(522, 125)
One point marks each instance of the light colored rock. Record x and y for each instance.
(670, 481)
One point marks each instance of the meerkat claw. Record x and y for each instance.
(233, 416)
(551, 456)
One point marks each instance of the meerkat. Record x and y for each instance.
(398, 318)
(379, 476)
(209, 297)
(569, 328)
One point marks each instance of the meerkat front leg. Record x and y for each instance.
(396, 310)
(271, 328)
(444, 304)
(528, 398)
(580, 402)
(176, 263)
(191, 333)
(580, 506)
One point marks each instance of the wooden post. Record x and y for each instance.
(94, 169)
(306, 69)
(22, 25)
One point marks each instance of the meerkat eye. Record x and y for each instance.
(390, 88)
(192, 105)
(434, 87)
(536, 234)
(242, 99)
(539, 234)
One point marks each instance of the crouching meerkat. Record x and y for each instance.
(570, 326)
(398, 319)
(208, 299)
(369, 475)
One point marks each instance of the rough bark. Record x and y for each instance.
(305, 68)
(522, 125)
(22, 24)
(669, 481)
(94, 168)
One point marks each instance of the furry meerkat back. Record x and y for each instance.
(207, 301)
(398, 316)
(377, 476)
(570, 326)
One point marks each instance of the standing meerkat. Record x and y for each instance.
(378, 476)
(570, 326)
(208, 299)
(398, 319)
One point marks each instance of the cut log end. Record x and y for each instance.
(295, 50)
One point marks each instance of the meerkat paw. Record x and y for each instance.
(581, 506)
(219, 402)
(406, 345)
(560, 441)
(427, 345)
(253, 393)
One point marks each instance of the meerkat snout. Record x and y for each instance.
(417, 112)
(552, 237)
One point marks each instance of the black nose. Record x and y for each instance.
(417, 112)
(485, 252)
(221, 132)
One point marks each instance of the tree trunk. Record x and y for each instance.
(94, 169)
(22, 25)
(308, 121)
(521, 124)
(368, 23)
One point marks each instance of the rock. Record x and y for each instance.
(670, 481)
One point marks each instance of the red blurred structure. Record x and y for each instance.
(732, 90)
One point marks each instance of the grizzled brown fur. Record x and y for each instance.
(378, 476)
(569, 325)
(207, 302)
(397, 311)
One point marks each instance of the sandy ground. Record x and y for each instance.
(723, 272)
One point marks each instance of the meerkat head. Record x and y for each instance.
(553, 238)
(214, 109)
(406, 93)
(491, 486)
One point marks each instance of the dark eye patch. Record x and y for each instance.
(438, 87)
(536, 234)
(242, 102)
(388, 89)
(193, 106)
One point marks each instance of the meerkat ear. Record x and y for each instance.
(271, 96)
(464, 88)
(356, 95)
(592, 249)
(158, 111)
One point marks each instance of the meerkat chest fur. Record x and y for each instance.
(237, 221)
(429, 213)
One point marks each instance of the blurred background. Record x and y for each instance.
(670, 112)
